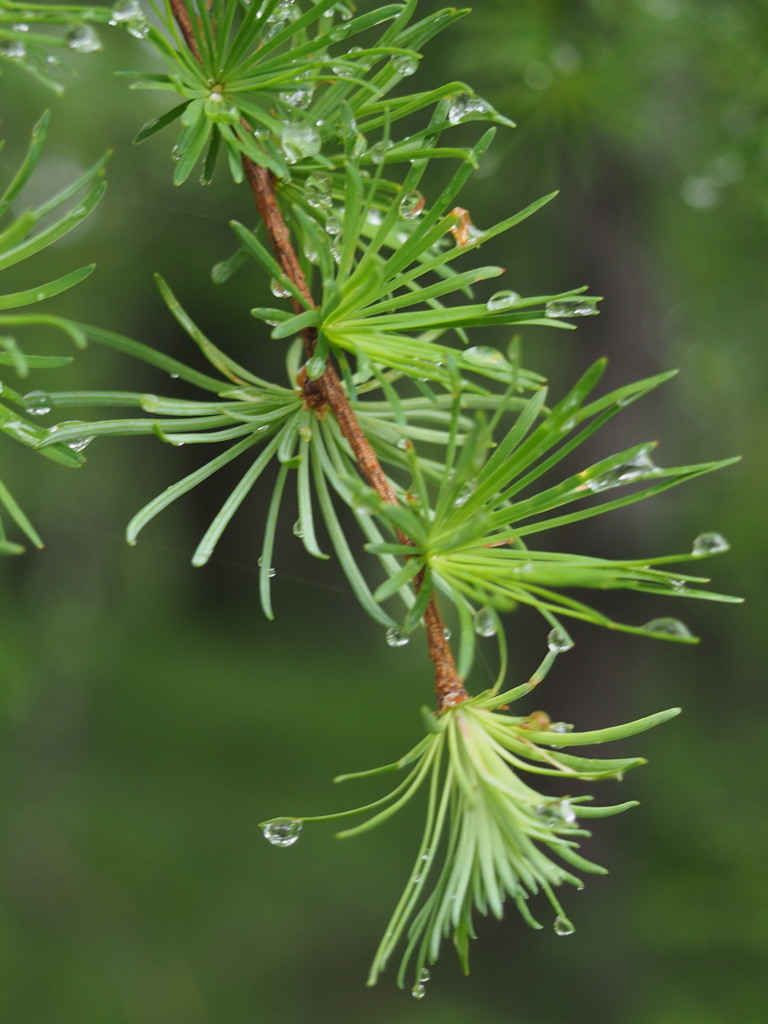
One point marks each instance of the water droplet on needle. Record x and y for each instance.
(709, 544)
(282, 831)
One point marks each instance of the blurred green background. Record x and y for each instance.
(150, 716)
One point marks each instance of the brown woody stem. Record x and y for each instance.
(328, 390)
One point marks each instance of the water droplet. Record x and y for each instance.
(282, 831)
(570, 307)
(305, 433)
(567, 812)
(299, 141)
(446, 633)
(343, 70)
(275, 26)
(710, 544)
(556, 813)
(561, 727)
(467, 108)
(83, 39)
(485, 357)
(404, 444)
(317, 190)
(283, 9)
(20, 27)
(332, 224)
(405, 64)
(559, 641)
(411, 205)
(80, 444)
(124, 11)
(636, 468)
(563, 926)
(13, 49)
(378, 153)
(424, 975)
(139, 28)
(278, 290)
(335, 248)
(270, 572)
(395, 637)
(463, 497)
(298, 529)
(669, 627)
(418, 991)
(176, 153)
(299, 98)
(360, 145)
(501, 301)
(484, 623)
(37, 403)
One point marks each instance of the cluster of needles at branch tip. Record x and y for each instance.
(489, 836)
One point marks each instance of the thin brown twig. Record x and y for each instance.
(328, 390)
(181, 14)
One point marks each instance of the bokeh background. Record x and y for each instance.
(151, 717)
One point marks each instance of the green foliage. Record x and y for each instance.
(494, 831)
(471, 461)
(28, 234)
(32, 35)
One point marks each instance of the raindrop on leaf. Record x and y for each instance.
(282, 831)
(378, 152)
(317, 190)
(501, 301)
(299, 98)
(300, 141)
(411, 205)
(669, 627)
(710, 544)
(558, 308)
(467, 108)
(637, 468)
(278, 290)
(483, 355)
(13, 49)
(395, 637)
(37, 403)
(559, 641)
(83, 39)
(80, 445)
(270, 571)
(405, 64)
(484, 623)
(561, 727)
